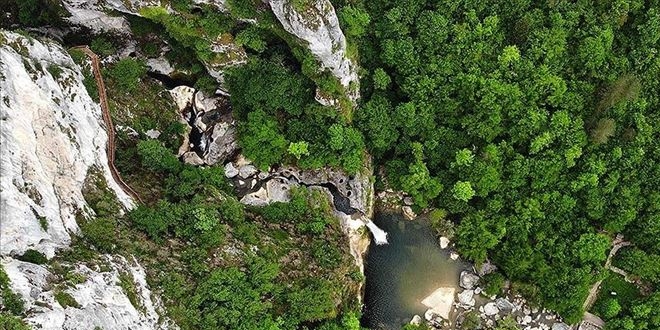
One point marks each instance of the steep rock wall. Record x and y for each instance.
(318, 26)
(51, 137)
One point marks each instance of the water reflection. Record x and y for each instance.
(402, 273)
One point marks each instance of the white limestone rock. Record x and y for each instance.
(318, 26)
(103, 303)
(491, 309)
(90, 13)
(183, 96)
(466, 299)
(230, 170)
(160, 65)
(444, 242)
(220, 4)
(52, 135)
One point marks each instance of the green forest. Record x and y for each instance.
(534, 125)
(528, 129)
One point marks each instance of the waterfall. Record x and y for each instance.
(380, 236)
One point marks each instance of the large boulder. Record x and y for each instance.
(504, 305)
(468, 280)
(491, 309)
(466, 299)
(440, 301)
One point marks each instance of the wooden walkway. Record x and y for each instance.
(110, 128)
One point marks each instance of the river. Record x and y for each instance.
(399, 275)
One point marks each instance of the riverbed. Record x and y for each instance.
(399, 275)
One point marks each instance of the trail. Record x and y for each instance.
(110, 128)
(618, 243)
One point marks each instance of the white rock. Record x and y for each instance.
(466, 299)
(478, 290)
(526, 320)
(417, 320)
(453, 255)
(183, 96)
(160, 65)
(319, 27)
(91, 14)
(52, 135)
(152, 133)
(444, 242)
(491, 309)
(440, 301)
(560, 326)
(230, 170)
(192, 158)
(102, 301)
(220, 4)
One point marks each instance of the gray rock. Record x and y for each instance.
(319, 27)
(408, 201)
(491, 309)
(152, 133)
(560, 326)
(230, 170)
(408, 213)
(468, 280)
(222, 143)
(504, 305)
(247, 171)
(192, 158)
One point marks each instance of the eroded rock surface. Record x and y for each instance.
(102, 302)
(318, 26)
(211, 135)
(51, 138)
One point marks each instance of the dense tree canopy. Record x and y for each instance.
(539, 119)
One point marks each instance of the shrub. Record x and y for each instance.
(66, 300)
(127, 73)
(34, 257)
(10, 322)
(493, 283)
(100, 233)
(10, 301)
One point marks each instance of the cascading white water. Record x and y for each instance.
(380, 236)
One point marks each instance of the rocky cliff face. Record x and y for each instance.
(101, 301)
(318, 26)
(52, 139)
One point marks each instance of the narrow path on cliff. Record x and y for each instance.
(110, 128)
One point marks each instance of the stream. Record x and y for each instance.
(399, 275)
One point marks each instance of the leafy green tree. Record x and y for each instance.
(261, 139)
(354, 20)
(463, 191)
(157, 158)
(381, 79)
(298, 149)
(127, 73)
(592, 248)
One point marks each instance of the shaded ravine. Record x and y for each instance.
(401, 274)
